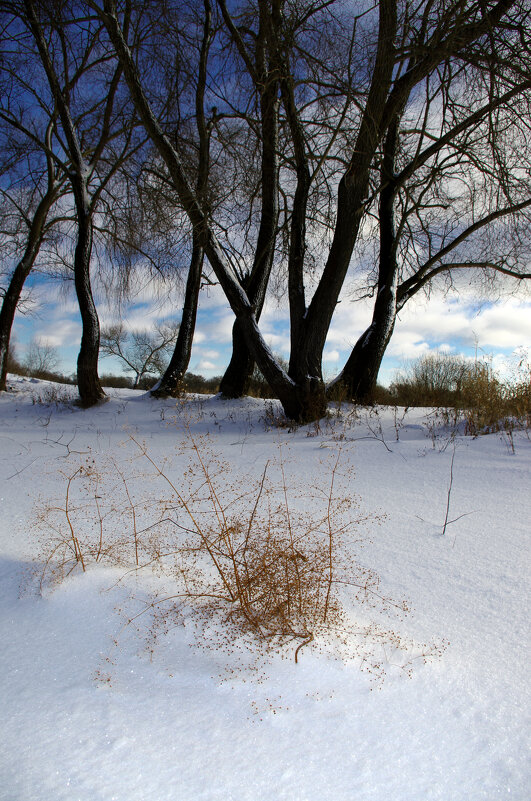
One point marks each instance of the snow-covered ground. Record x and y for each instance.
(94, 709)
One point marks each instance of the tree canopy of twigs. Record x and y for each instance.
(318, 151)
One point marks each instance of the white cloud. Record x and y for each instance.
(221, 330)
(331, 356)
(506, 325)
(277, 342)
(407, 345)
(215, 328)
(199, 337)
(459, 324)
(60, 333)
(206, 365)
(46, 341)
(350, 320)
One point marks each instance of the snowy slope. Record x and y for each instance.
(97, 710)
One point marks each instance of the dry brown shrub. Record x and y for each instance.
(260, 561)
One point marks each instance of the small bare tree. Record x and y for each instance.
(41, 358)
(143, 352)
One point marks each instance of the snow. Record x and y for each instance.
(98, 710)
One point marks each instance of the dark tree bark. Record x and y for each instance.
(81, 168)
(352, 191)
(89, 387)
(237, 376)
(360, 373)
(385, 101)
(358, 378)
(88, 382)
(303, 395)
(235, 381)
(170, 384)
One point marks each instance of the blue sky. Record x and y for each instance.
(458, 323)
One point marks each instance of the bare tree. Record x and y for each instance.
(453, 190)
(265, 79)
(143, 352)
(354, 132)
(34, 214)
(171, 381)
(121, 234)
(41, 358)
(32, 182)
(87, 372)
(93, 138)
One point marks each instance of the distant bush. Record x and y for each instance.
(259, 388)
(44, 375)
(490, 404)
(39, 363)
(116, 381)
(147, 382)
(48, 375)
(436, 379)
(126, 382)
(338, 393)
(201, 385)
(383, 396)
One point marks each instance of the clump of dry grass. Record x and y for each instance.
(246, 556)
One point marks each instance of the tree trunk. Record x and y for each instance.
(7, 314)
(359, 376)
(89, 387)
(303, 400)
(170, 384)
(389, 90)
(88, 382)
(237, 376)
(235, 381)
(360, 373)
